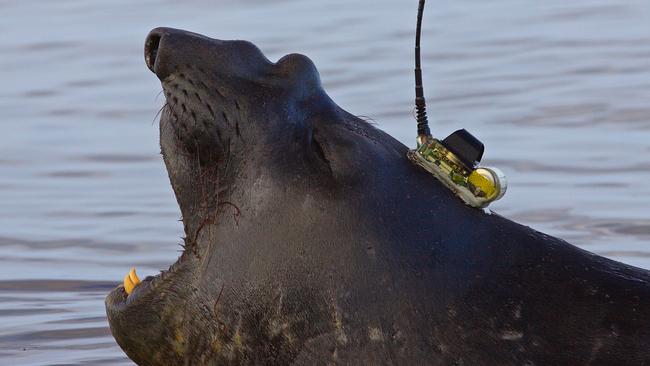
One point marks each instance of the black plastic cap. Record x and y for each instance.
(466, 147)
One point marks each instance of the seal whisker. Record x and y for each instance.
(158, 95)
(159, 112)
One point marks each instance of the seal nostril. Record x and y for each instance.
(151, 50)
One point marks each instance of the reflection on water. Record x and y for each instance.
(557, 90)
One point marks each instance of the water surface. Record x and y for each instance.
(558, 91)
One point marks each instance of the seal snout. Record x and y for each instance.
(151, 49)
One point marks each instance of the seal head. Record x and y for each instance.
(251, 147)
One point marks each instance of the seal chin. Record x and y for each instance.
(127, 314)
(143, 322)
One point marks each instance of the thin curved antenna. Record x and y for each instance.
(420, 102)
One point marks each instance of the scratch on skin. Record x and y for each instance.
(237, 213)
(179, 344)
(216, 302)
(341, 337)
(598, 345)
(512, 335)
(375, 334)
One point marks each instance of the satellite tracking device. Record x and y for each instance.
(455, 160)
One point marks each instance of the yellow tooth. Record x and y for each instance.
(134, 277)
(128, 285)
(130, 281)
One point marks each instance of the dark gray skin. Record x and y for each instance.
(312, 240)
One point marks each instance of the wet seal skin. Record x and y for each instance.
(312, 240)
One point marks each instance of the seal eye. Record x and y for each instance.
(318, 150)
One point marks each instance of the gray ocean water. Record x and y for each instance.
(559, 91)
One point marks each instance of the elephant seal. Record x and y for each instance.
(312, 240)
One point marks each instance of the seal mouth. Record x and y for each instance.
(130, 293)
(121, 296)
